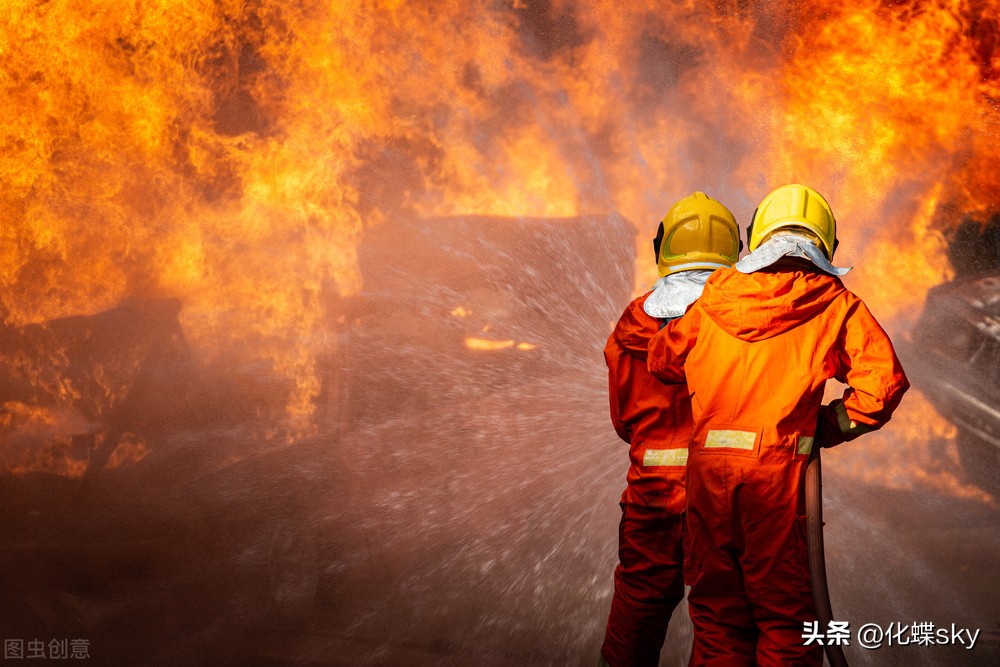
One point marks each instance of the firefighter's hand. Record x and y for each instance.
(828, 432)
(835, 426)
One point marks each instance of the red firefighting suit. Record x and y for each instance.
(655, 419)
(756, 350)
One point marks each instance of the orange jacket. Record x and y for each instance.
(654, 418)
(756, 350)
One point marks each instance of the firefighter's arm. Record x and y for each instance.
(613, 356)
(669, 347)
(866, 362)
(634, 330)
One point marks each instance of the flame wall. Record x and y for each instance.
(231, 153)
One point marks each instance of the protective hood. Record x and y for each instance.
(672, 294)
(787, 245)
(766, 303)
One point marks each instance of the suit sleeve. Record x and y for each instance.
(866, 362)
(614, 358)
(669, 347)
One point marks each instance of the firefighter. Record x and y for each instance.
(755, 352)
(697, 236)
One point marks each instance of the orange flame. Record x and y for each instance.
(917, 450)
(35, 438)
(879, 108)
(231, 154)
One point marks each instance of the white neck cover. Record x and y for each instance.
(787, 245)
(674, 293)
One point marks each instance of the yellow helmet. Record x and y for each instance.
(794, 206)
(696, 233)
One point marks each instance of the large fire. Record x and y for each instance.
(232, 154)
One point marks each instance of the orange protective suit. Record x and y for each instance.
(755, 351)
(655, 419)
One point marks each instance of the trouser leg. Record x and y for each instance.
(724, 630)
(648, 586)
(776, 571)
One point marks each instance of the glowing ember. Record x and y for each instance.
(128, 451)
(485, 344)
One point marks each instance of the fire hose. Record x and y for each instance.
(817, 558)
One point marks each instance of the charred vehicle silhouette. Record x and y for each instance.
(957, 348)
(88, 550)
(958, 341)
